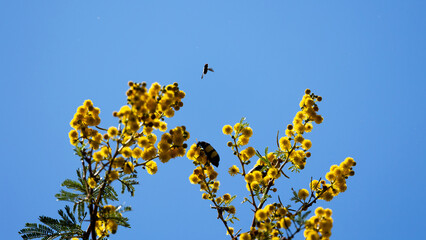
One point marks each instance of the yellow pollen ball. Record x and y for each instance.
(306, 144)
(151, 167)
(227, 130)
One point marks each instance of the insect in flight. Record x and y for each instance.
(210, 152)
(206, 69)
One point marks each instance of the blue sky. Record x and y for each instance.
(365, 58)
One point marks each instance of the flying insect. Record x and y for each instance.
(206, 69)
(210, 152)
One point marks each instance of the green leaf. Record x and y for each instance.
(51, 228)
(70, 197)
(74, 185)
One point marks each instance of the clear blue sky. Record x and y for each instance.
(366, 58)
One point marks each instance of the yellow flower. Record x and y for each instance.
(151, 167)
(303, 194)
(231, 209)
(149, 153)
(112, 132)
(308, 127)
(143, 142)
(312, 235)
(152, 138)
(194, 179)
(126, 152)
(243, 140)
(137, 152)
(227, 129)
(233, 170)
(257, 175)
(113, 175)
(216, 184)
(163, 126)
(118, 162)
(164, 156)
(250, 152)
(299, 128)
(273, 173)
(306, 144)
(289, 133)
(88, 103)
(227, 197)
(91, 182)
(109, 209)
(299, 138)
(73, 134)
(269, 208)
(249, 178)
(98, 156)
(237, 127)
(112, 226)
(328, 212)
(247, 132)
(330, 176)
(254, 185)
(282, 211)
(285, 143)
(169, 113)
(231, 231)
(309, 102)
(318, 119)
(245, 236)
(285, 222)
(205, 196)
(261, 215)
(128, 168)
(100, 228)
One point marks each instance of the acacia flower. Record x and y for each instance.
(233, 170)
(285, 222)
(128, 168)
(245, 236)
(306, 144)
(194, 179)
(98, 156)
(231, 209)
(126, 152)
(151, 167)
(227, 129)
(91, 182)
(247, 132)
(137, 152)
(113, 175)
(303, 194)
(261, 215)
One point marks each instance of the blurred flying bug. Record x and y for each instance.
(206, 69)
(210, 152)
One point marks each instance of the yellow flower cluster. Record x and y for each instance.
(262, 174)
(205, 175)
(172, 144)
(136, 144)
(319, 226)
(105, 224)
(270, 220)
(241, 134)
(294, 146)
(85, 117)
(148, 107)
(337, 180)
